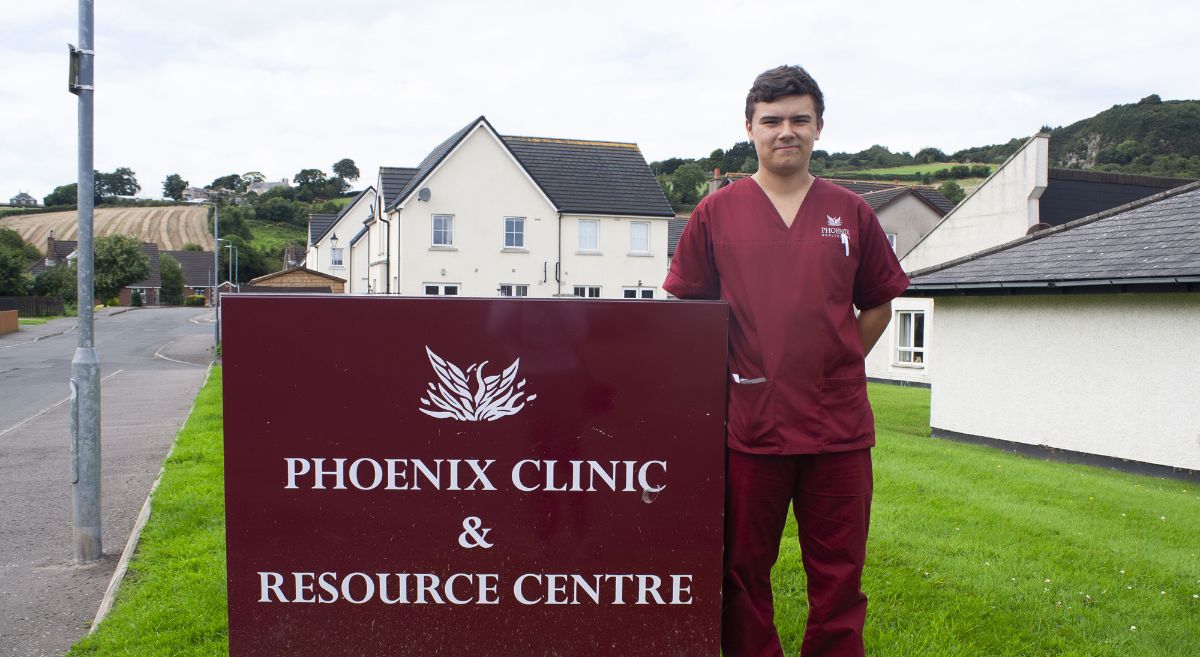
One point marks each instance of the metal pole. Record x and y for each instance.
(216, 278)
(229, 260)
(237, 271)
(85, 366)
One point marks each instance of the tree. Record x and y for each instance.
(58, 281)
(192, 246)
(173, 186)
(119, 261)
(172, 280)
(952, 191)
(930, 154)
(12, 240)
(345, 169)
(122, 182)
(13, 281)
(251, 177)
(686, 183)
(232, 182)
(68, 195)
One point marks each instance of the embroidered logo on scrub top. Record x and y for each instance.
(493, 397)
(834, 221)
(834, 229)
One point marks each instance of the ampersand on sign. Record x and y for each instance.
(472, 537)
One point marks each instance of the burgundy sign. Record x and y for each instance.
(483, 477)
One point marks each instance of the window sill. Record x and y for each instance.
(588, 253)
(910, 366)
(442, 248)
(337, 266)
(514, 249)
(640, 254)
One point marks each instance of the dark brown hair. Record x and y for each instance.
(784, 81)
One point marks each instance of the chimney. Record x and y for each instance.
(716, 173)
(50, 248)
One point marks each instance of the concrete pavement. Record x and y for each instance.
(153, 361)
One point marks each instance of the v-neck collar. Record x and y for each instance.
(775, 211)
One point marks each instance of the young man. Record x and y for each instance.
(793, 255)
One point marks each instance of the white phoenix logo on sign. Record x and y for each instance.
(494, 396)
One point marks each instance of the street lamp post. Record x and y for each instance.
(232, 254)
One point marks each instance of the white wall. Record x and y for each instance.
(1000, 210)
(479, 184)
(613, 268)
(909, 219)
(1114, 374)
(320, 254)
(883, 363)
(360, 270)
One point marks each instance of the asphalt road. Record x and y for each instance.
(153, 361)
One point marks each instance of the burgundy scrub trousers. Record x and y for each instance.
(831, 495)
(800, 424)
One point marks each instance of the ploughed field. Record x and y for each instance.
(170, 227)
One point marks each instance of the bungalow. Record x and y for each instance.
(486, 215)
(63, 251)
(1023, 195)
(1077, 341)
(197, 269)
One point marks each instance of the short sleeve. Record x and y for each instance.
(693, 273)
(879, 278)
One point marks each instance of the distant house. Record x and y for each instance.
(1079, 340)
(23, 200)
(1021, 195)
(59, 252)
(491, 215)
(197, 269)
(266, 186)
(195, 194)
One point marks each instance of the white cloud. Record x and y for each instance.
(206, 90)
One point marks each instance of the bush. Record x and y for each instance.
(113, 302)
(136, 299)
(194, 300)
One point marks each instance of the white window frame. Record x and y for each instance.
(517, 235)
(632, 250)
(447, 230)
(891, 237)
(595, 247)
(639, 292)
(337, 257)
(906, 322)
(441, 289)
(514, 290)
(587, 291)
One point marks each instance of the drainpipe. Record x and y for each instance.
(558, 265)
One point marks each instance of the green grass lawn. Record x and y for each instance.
(910, 169)
(271, 237)
(33, 321)
(972, 552)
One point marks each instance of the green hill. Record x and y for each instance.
(1153, 136)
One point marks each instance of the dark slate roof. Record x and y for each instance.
(939, 200)
(1072, 193)
(197, 267)
(431, 161)
(392, 180)
(337, 217)
(318, 225)
(578, 176)
(675, 228)
(592, 177)
(880, 198)
(1153, 241)
(64, 248)
(861, 186)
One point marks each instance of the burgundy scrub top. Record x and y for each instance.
(797, 376)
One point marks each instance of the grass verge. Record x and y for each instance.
(33, 321)
(973, 551)
(172, 601)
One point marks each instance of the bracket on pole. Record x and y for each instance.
(75, 54)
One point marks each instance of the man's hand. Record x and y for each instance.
(871, 323)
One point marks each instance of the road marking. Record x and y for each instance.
(50, 408)
(158, 354)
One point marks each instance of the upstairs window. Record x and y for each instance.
(335, 256)
(587, 291)
(514, 232)
(513, 290)
(589, 235)
(639, 237)
(443, 230)
(892, 241)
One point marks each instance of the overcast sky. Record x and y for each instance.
(208, 88)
